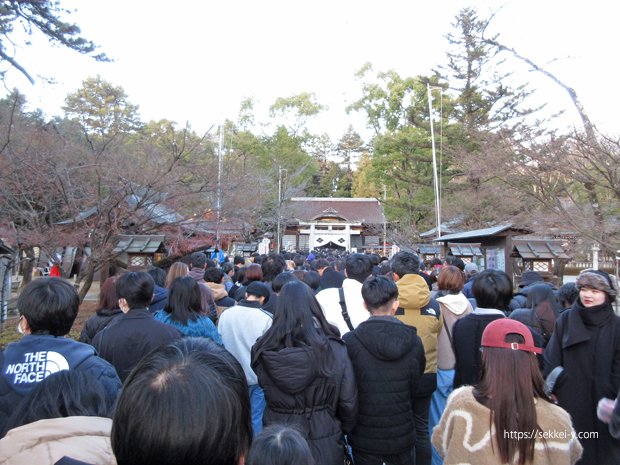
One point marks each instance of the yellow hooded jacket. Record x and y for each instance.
(416, 309)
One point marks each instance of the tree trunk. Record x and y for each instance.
(85, 279)
(27, 266)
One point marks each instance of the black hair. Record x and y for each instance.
(198, 260)
(568, 294)
(213, 275)
(298, 321)
(492, 289)
(455, 261)
(340, 264)
(319, 263)
(185, 403)
(272, 266)
(209, 263)
(279, 445)
(378, 292)
(404, 263)
(50, 305)
(313, 279)
(375, 259)
(299, 260)
(66, 393)
(238, 260)
(184, 300)
(136, 287)
(227, 267)
(158, 275)
(358, 266)
(280, 280)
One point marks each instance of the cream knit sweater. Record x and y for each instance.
(463, 435)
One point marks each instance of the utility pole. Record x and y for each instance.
(218, 201)
(278, 241)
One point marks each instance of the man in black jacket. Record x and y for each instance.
(131, 336)
(388, 361)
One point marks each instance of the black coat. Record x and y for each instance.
(320, 406)
(467, 336)
(388, 361)
(130, 337)
(97, 322)
(589, 351)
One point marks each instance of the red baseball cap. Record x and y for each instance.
(495, 336)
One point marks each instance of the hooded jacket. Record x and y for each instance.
(46, 441)
(97, 322)
(317, 396)
(28, 361)
(419, 310)
(388, 361)
(453, 307)
(160, 299)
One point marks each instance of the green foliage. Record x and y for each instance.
(102, 110)
(44, 16)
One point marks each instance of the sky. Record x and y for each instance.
(195, 61)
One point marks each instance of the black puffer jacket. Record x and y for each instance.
(388, 361)
(321, 407)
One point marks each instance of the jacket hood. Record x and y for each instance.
(197, 274)
(218, 291)
(294, 368)
(386, 338)
(413, 292)
(159, 294)
(456, 303)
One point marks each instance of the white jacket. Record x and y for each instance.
(330, 301)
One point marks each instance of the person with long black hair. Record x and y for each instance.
(506, 418)
(303, 367)
(184, 310)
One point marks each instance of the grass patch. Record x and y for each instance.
(8, 331)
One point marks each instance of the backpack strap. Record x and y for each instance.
(345, 313)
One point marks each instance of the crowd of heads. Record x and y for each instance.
(188, 403)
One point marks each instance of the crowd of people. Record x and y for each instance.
(316, 359)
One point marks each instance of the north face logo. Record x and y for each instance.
(36, 367)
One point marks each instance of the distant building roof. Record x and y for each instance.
(483, 233)
(538, 249)
(139, 244)
(465, 249)
(350, 210)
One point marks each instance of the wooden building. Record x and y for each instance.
(351, 224)
(507, 248)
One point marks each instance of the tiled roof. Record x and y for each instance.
(483, 233)
(359, 210)
(538, 249)
(138, 244)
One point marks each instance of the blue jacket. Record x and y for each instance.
(30, 360)
(160, 299)
(200, 327)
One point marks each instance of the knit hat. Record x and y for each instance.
(495, 333)
(530, 277)
(595, 279)
(258, 289)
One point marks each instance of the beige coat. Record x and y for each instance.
(47, 441)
